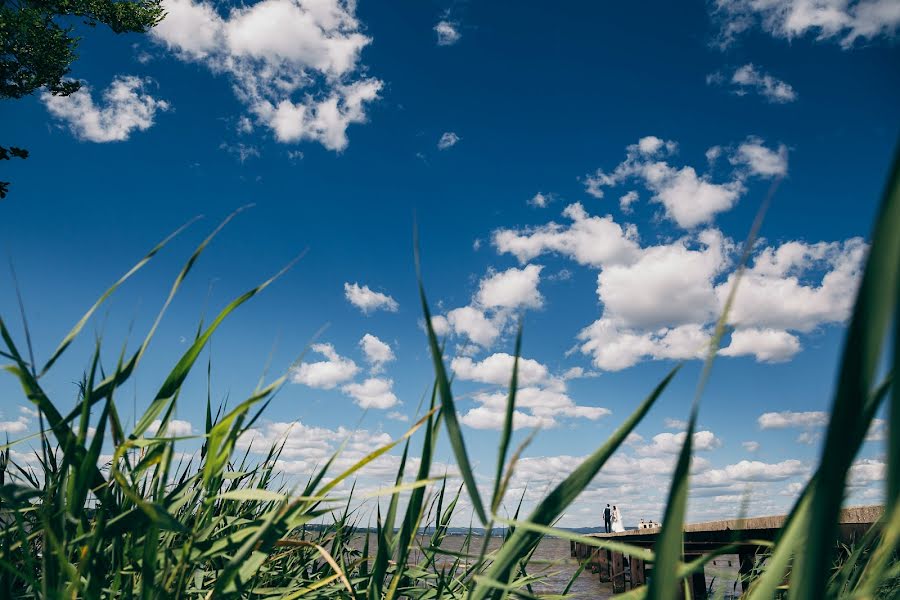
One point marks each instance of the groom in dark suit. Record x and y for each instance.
(607, 518)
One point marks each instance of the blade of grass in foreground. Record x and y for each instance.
(507, 425)
(549, 509)
(449, 407)
(874, 307)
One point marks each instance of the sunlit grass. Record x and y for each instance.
(219, 525)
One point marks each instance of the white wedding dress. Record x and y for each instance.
(617, 525)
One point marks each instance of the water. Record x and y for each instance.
(554, 565)
(551, 562)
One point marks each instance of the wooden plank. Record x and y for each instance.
(637, 572)
(618, 573)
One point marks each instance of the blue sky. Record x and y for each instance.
(592, 168)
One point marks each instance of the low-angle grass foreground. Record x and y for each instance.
(145, 524)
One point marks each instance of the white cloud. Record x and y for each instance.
(368, 300)
(544, 405)
(325, 374)
(661, 301)
(776, 292)
(809, 437)
(397, 416)
(175, 428)
(767, 345)
(483, 417)
(627, 200)
(592, 241)
(377, 352)
(748, 78)
(842, 20)
(540, 200)
(688, 199)
(472, 323)
(750, 446)
(307, 448)
(372, 393)
(671, 423)
(760, 160)
(448, 140)
(669, 285)
(125, 108)
(497, 369)
(866, 471)
(614, 348)
(20, 425)
(750, 471)
(671, 443)
(440, 325)
(787, 418)
(877, 431)
(294, 64)
(447, 33)
(513, 288)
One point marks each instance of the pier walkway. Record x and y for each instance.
(703, 538)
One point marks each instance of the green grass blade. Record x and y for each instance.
(549, 509)
(506, 434)
(872, 312)
(454, 432)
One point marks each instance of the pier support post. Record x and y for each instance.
(697, 581)
(746, 558)
(637, 572)
(603, 564)
(618, 573)
(572, 548)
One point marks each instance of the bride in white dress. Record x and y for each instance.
(617, 525)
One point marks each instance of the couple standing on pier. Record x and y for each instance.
(612, 520)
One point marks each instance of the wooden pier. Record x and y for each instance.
(701, 539)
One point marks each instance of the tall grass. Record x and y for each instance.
(218, 525)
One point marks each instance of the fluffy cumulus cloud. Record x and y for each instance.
(671, 443)
(747, 471)
(175, 428)
(447, 33)
(18, 425)
(307, 448)
(125, 107)
(589, 240)
(374, 392)
(688, 198)
(781, 290)
(682, 273)
(497, 369)
(540, 200)
(472, 323)
(788, 418)
(661, 301)
(500, 295)
(448, 140)
(368, 300)
(845, 21)
(325, 374)
(750, 79)
(535, 407)
(760, 160)
(294, 64)
(767, 345)
(377, 352)
(512, 288)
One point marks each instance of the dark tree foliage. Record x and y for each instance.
(36, 50)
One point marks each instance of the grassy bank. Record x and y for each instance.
(144, 525)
